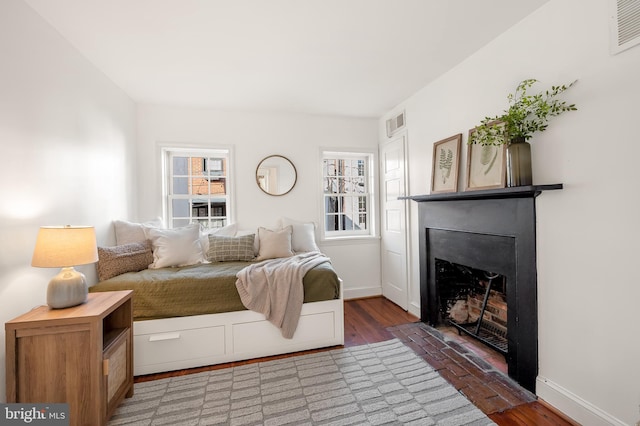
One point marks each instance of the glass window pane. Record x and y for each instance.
(347, 168)
(180, 185)
(332, 185)
(347, 205)
(362, 204)
(334, 168)
(354, 185)
(181, 166)
(215, 167)
(218, 209)
(199, 186)
(362, 221)
(344, 223)
(327, 185)
(180, 208)
(218, 186)
(331, 223)
(342, 167)
(197, 166)
(347, 185)
(199, 208)
(331, 204)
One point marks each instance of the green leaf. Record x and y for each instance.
(525, 115)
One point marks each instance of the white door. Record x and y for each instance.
(394, 222)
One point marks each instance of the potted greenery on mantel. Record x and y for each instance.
(526, 115)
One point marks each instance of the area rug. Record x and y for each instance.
(381, 383)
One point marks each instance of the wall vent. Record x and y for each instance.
(396, 123)
(625, 24)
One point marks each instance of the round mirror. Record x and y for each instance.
(276, 175)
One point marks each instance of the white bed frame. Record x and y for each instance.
(186, 342)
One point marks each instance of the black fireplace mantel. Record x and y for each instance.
(502, 224)
(486, 194)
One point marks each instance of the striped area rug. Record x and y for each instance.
(381, 383)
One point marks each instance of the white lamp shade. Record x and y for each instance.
(64, 246)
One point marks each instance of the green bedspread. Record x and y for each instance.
(203, 289)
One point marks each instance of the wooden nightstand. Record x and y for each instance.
(80, 355)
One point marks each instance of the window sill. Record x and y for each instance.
(349, 240)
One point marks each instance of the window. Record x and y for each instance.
(347, 182)
(197, 187)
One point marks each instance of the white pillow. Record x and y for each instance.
(274, 244)
(225, 231)
(175, 247)
(132, 232)
(303, 238)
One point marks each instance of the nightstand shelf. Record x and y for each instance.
(112, 335)
(80, 355)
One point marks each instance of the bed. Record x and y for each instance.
(191, 316)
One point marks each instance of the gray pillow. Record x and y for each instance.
(133, 257)
(227, 249)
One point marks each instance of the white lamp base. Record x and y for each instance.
(68, 288)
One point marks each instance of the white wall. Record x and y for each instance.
(587, 233)
(67, 153)
(253, 136)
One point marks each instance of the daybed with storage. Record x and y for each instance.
(191, 316)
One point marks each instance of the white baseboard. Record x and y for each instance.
(414, 309)
(572, 405)
(358, 293)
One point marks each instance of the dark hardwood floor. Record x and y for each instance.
(472, 369)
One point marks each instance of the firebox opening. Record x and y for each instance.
(473, 301)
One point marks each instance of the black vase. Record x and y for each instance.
(519, 163)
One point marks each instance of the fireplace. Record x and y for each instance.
(493, 232)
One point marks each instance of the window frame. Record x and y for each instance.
(207, 153)
(370, 157)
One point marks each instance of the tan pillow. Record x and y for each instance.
(133, 257)
(274, 244)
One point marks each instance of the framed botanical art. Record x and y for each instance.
(486, 165)
(444, 170)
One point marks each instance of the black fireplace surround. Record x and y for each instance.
(491, 230)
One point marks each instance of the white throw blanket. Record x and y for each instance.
(274, 288)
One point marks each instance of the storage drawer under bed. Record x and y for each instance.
(179, 345)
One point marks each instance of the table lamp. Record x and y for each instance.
(65, 247)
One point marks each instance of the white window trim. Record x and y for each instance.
(372, 232)
(197, 149)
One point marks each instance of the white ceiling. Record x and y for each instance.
(336, 57)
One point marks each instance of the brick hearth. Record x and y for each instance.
(482, 383)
